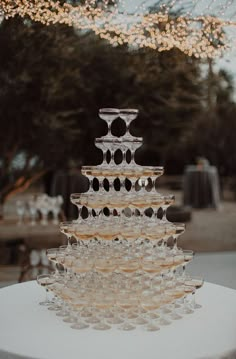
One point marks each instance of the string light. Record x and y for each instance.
(195, 35)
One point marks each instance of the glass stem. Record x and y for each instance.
(109, 128)
(124, 155)
(112, 157)
(104, 157)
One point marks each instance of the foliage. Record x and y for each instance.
(53, 81)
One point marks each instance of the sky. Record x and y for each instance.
(224, 9)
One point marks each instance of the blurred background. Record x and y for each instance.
(53, 81)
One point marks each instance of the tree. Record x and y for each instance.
(37, 124)
(54, 80)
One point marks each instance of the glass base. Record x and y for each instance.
(187, 310)
(163, 321)
(127, 326)
(152, 328)
(68, 320)
(140, 321)
(45, 303)
(79, 326)
(102, 326)
(115, 320)
(197, 306)
(175, 316)
(92, 320)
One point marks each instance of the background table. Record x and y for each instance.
(31, 331)
(27, 239)
(201, 187)
(65, 183)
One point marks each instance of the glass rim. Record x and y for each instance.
(109, 109)
(129, 110)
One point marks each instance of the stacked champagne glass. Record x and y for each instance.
(121, 266)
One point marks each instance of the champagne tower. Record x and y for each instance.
(122, 269)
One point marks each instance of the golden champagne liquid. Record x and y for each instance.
(78, 305)
(45, 282)
(150, 306)
(167, 265)
(118, 204)
(188, 289)
(52, 258)
(139, 204)
(194, 283)
(147, 172)
(82, 269)
(102, 305)
(106, 236)
(151, 269)
(105, 266)
(84, 236)
(158, 202)
(188, 258)
(125, 305)
(128, 267)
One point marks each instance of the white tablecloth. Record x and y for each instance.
(28, 330)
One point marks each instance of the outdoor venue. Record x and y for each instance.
(118, 178)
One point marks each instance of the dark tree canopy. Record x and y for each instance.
(53, 81)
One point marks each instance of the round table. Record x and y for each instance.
(201, 187)
(28, 330)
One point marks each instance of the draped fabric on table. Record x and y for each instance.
(201, 187)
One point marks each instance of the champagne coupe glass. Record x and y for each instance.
(97, 203)
(79, 200)
(152, 265)
(196, 282)
(51, 254)
(150, 302)
(44, 210)
(71, 291)
(82, 265)
(174, 293)
(124, 147)
(85, 232)
(112, 144)
(118, 202)
(179, 229)
(141, 203)
(150, 172)
(156, 201)
(102, 301)
(130, 233)
(88, 171)
(128, 115)
(131, 145)
(32, 212)
(67, 228)
(109, 115)
(154, 234)
(128, 265)
(99, 143)
(56, 208)
(169, 200)
(45, 280)
(126, 301)
(79, 302)
(188, 256)
(20, 209)
(187, 290)
(156, 173)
